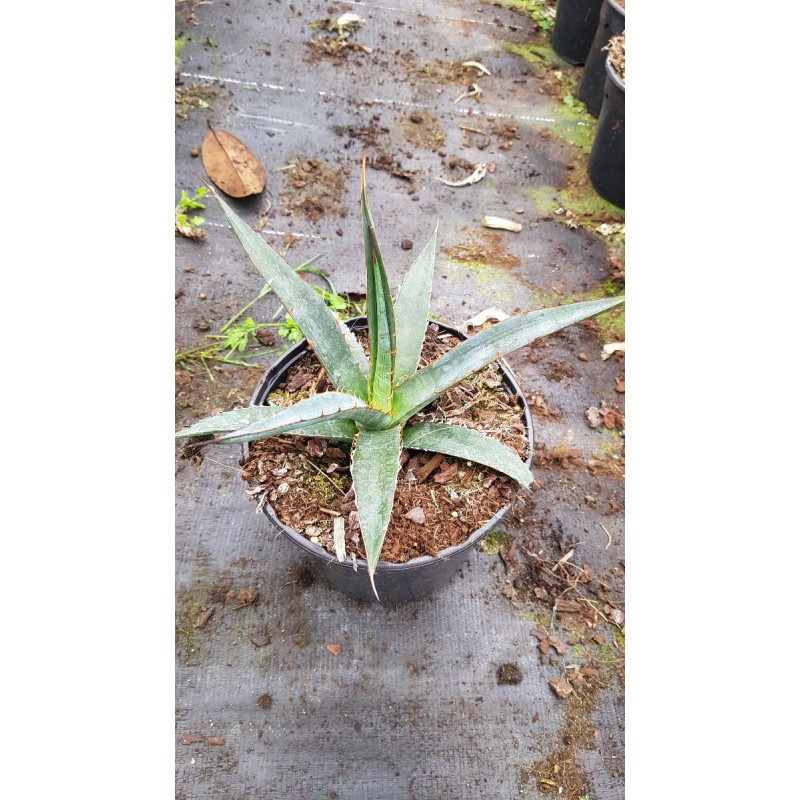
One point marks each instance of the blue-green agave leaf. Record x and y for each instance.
(375, 461)
(227, 421)
(339, 429)
(411, 308)
(492, 343)
(313, 410)
(380, 312)
(467, 444)
(334, 347)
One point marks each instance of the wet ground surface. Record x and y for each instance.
(457, 695)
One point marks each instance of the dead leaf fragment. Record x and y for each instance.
(610, 349)
(215, 740)
(335, 649)
(477, 65)
(192, 738)
(477, 174)
(231, 166)
(494, 313)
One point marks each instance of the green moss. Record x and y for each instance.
(322, 485)
(539, 620)
(619, 637)
(612, 288)
(582, 201)
(612, 324)
(180, 43)
(610, 443)
(538, 10)
(537, 55)
(545, 299)
(573, 123)
(493, 542)
(605, 652)
(490, 281)
(188, 605)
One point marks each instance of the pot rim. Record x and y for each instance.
(319, 552)
(619, 9)
(614, 75)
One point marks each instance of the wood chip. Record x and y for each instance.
(447, 472)
(338, 538)
(335, 649)
(567, 606)
(416, 515)
(192, 738)
(502, 224)
(204, 616)
(426, 469)
(561, 687)
(217, 740)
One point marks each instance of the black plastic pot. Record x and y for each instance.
(607, 157)
(574, 29)
(590, 88)
(396, 583)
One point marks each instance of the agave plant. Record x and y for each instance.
(375, 397)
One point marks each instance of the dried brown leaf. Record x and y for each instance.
(231, 166)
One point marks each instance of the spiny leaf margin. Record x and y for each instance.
(490, 344)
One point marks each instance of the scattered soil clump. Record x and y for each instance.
(485, 248)
(193, 98)
(422, 130)
(313, 189)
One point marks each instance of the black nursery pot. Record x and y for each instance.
(607, 157)
(574, 29)
(590, 88)
(395, 583)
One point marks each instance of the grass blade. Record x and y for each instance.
(334, 348)
(490, 344)
(313, 410)
(375, 463)
(380, 312)
(411, 306)
(469, 444)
